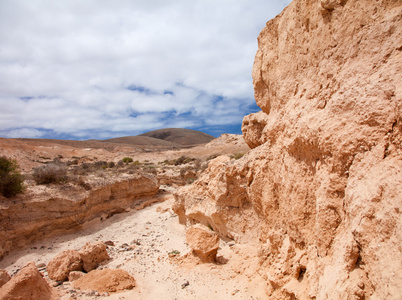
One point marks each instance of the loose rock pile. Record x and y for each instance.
(69, 265)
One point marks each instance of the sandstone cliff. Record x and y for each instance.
(321, 192)
(49, 212)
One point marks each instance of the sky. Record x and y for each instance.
(98, 69)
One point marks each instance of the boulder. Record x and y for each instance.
(63, 263)
(93, 254)
(27, 284)
(4, 277)
(203, 241)
(106, 281)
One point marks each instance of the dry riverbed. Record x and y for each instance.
(150, 245)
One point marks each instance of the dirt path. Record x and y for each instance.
(142, 242)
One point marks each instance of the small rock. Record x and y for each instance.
(231, 243)
(74, 275)
(109, 243)
(137, 242)
(203, 241)
(41, 265)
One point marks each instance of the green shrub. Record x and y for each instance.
(127, 160)
(10, 177)
(51, 173)
(237, 155)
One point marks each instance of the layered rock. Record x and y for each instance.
(23, 222)
(321, 190)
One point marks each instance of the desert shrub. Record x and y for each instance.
(83, 184)
(111, 164)
(127, 160)
(182, 160)
(100, 165)
(120, 164)
(10, 177)
(150, 169)
(197, 164)
(72, 162)
(51, 173)
(213, 156)
(237, 155)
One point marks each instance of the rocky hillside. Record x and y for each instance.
(321, 190)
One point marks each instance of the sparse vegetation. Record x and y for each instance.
(237, 155)
(11, 180)
(50, 173)
(127, 160)
(213, 156)
(174, 253)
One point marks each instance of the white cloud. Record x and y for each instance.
(65, 66)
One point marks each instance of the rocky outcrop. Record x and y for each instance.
(27, 284)
(106, 281)
(23, 222)
(321, 189)
(203, 242)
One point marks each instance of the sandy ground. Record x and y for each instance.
(152, 233)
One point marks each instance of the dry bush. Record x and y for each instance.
(10, 177)
(50, 173)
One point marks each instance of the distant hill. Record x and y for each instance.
(140, 141)
(159, 139)
(180, 136)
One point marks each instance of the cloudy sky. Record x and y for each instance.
(82, 69)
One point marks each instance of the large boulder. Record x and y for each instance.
(93, 254)
(63, 263)
(203, 241)
(106, 281)
(27, 284)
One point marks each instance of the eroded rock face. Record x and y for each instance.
(321, 190)
(253, 127)
(92, 255)
(203, 241)
(28, 283)
(63, 263)
(106, 280)
(23, 223)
